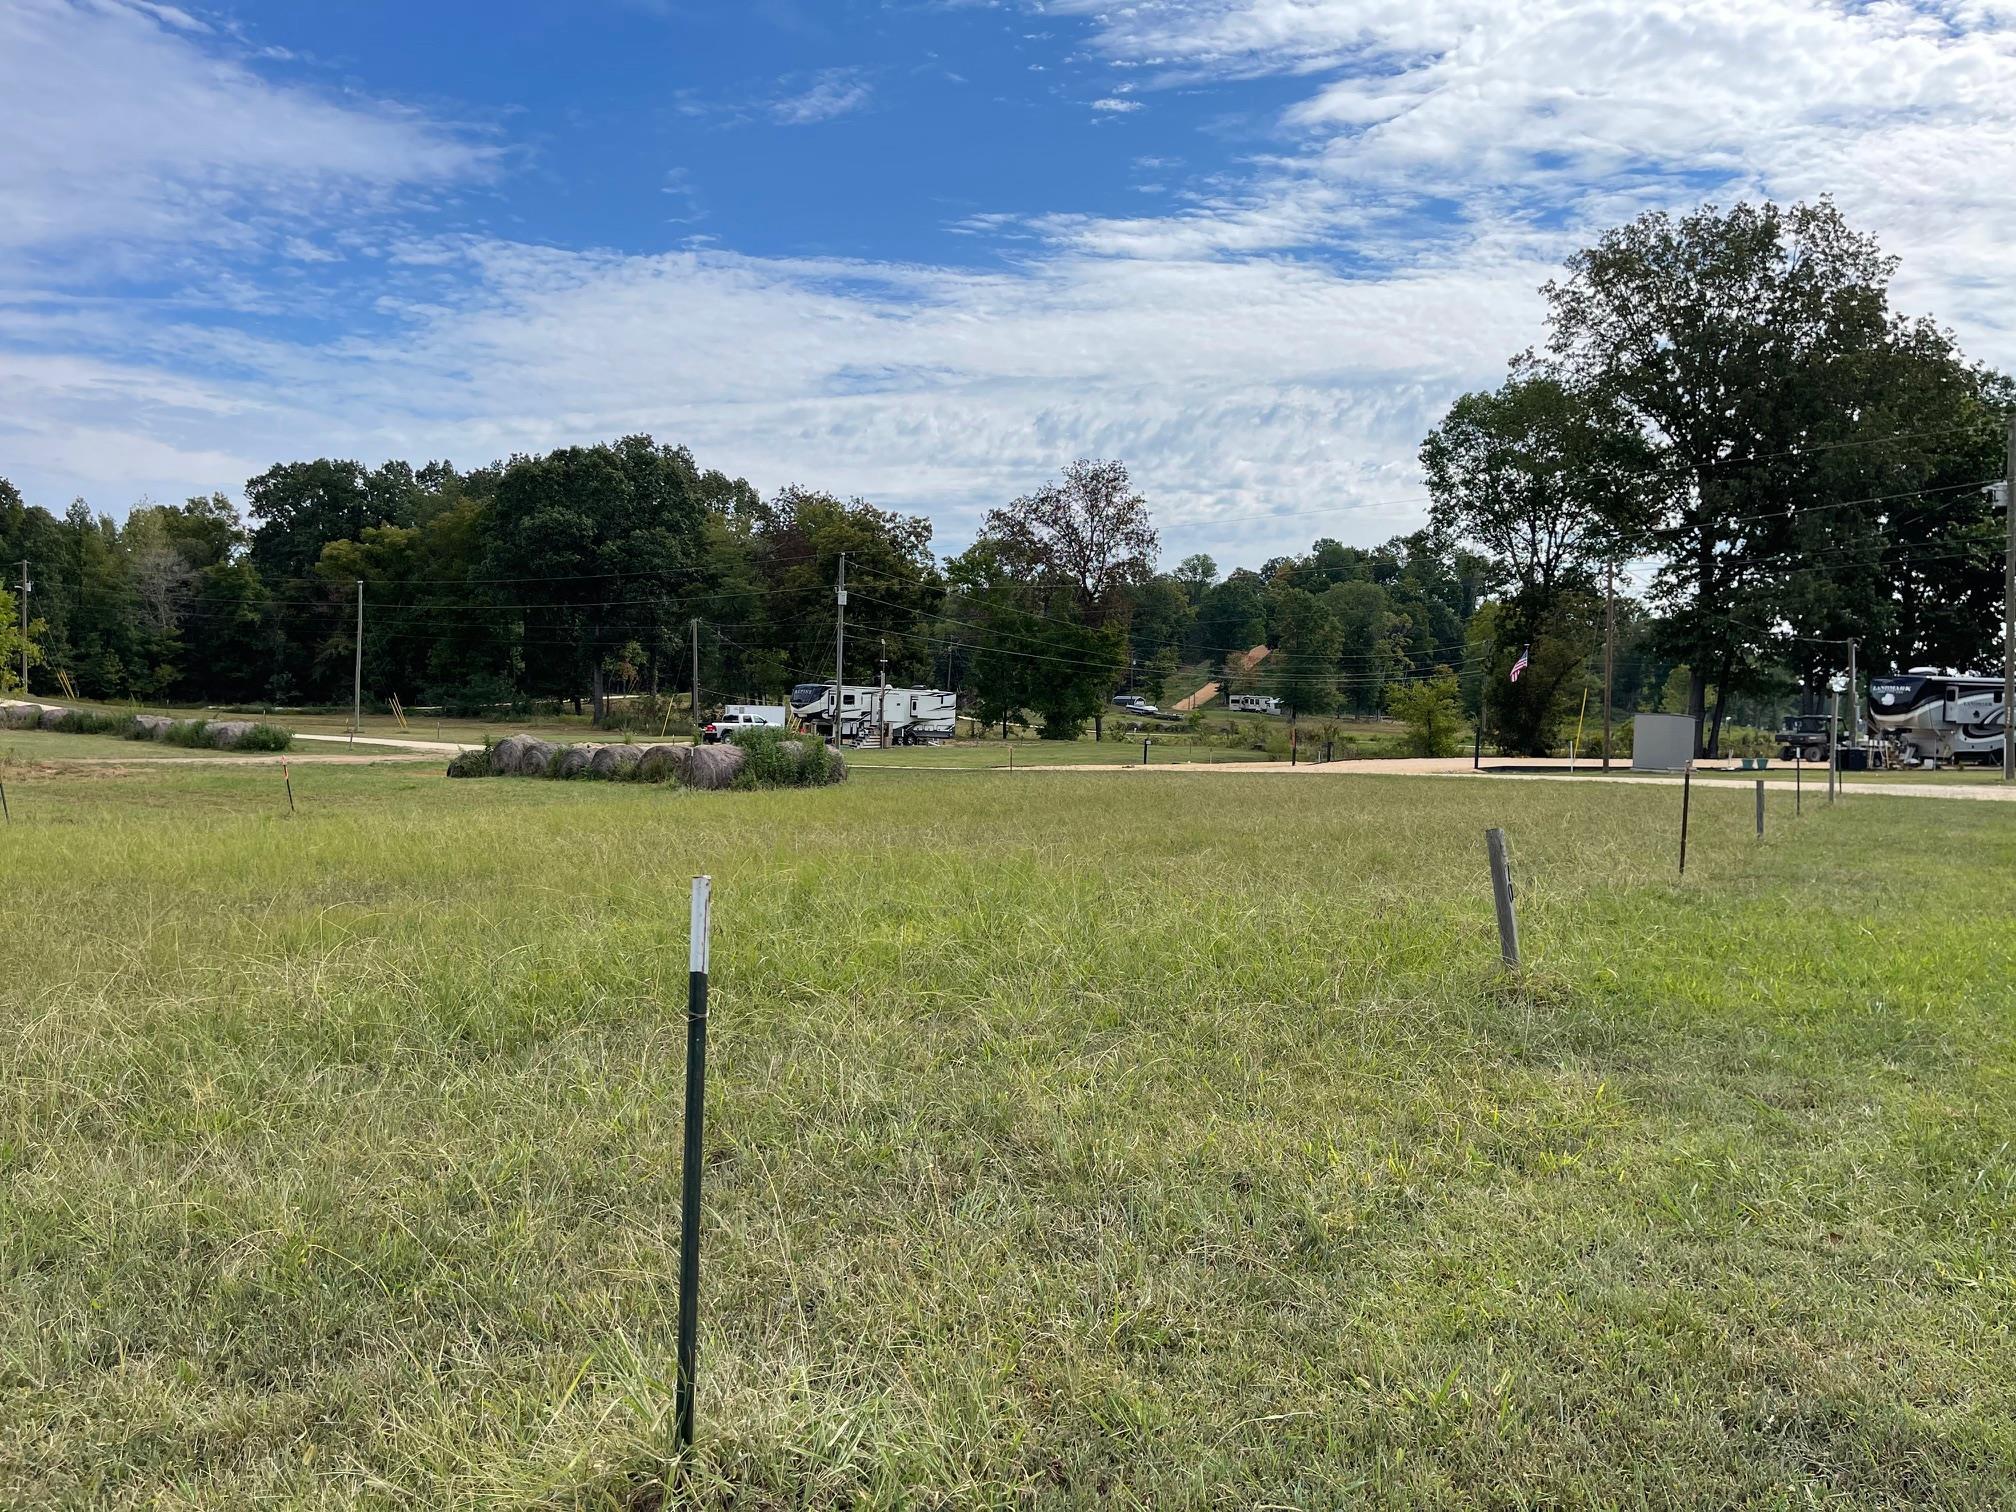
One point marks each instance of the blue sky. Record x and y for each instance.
(920, 250)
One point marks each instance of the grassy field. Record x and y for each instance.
(1353, 737)
(25, 747)
(1073, 1141)
(417, 727)
(977, 755)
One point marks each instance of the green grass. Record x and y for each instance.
(23, 747)
(35, 747)
(978, 755)
(463, 731)
(1811, 781)
(1073, 1141)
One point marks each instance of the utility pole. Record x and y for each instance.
(839, 644)
(2009, 617)
(357, 672)
(693, 633)
(25, 586)
(1833, 736)
(1609, 650)
(882, 696)
(1854, 700)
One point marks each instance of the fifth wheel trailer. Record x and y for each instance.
(912, 716)
(1940, 716)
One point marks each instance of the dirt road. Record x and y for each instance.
(1459, 766)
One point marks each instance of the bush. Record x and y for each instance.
(85, 722)
(1432, 710)
(471, 763)
(775, 759)
(1748, 740)
(188, 732)
(264, 737)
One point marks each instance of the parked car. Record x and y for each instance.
(741, 717)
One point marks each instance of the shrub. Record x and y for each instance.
(264, 737)
(1748, 740)
(471, 763)
(775, 759)
(188, 732)
(1432, 710)
(86, 722)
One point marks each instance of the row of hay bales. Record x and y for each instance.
(784, 763)
(219, 734)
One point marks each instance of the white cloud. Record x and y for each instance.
(1280, 343)
(834, 92)
(128, 127)
(1116, 107)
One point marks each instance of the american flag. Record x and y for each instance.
(1520, 665)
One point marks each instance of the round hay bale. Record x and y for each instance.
(52, 715)
(662, 763)
(227, 733)
(713, 766)
(574, 761)
(22, 716)
(470, 764)
(535, 758)
(504, 755)
(151, 726)
(615, 760)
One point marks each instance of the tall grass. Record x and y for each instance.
(1132, 1139)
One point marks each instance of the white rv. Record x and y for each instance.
(871, 714)
(1253, 703)
(1940, 716)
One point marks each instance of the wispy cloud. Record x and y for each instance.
(147, 127)
(833, 93)
(1116, 106)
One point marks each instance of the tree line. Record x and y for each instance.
(1726, 398)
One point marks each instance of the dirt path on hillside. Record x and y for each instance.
(1248, 661)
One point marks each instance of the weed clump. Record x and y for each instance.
(263, 737)
(471, 763)
(194, 733)
(89, 722)
(772, 758)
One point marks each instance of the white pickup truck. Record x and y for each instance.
(742, 717)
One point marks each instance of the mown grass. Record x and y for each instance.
(1074, 1140)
